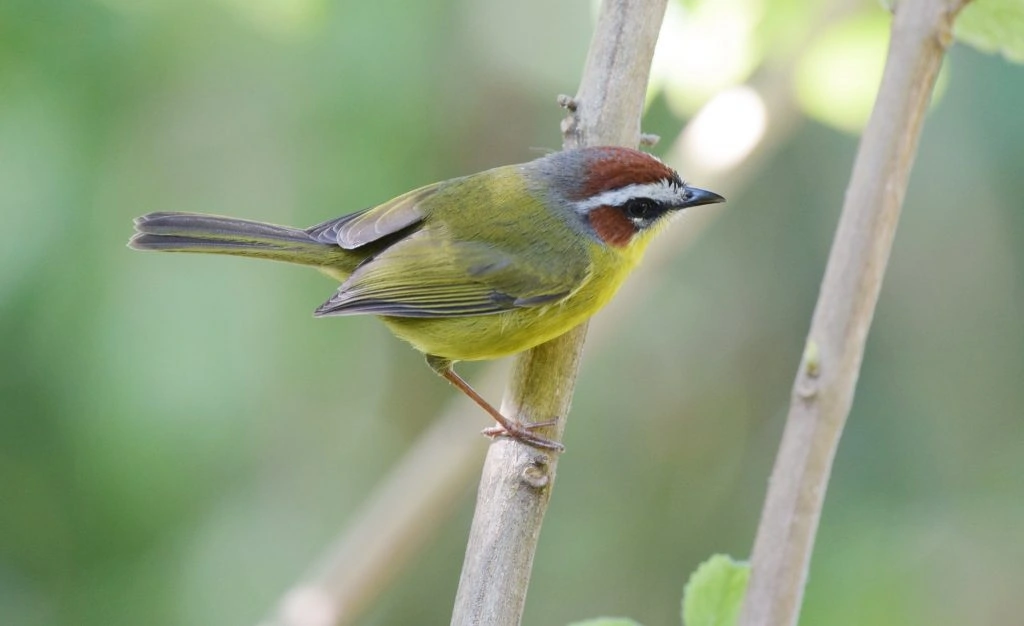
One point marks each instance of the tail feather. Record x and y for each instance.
(213, 234)
(213, 226)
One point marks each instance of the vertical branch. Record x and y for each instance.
(516, 482)
(607, 109)
(825, 382)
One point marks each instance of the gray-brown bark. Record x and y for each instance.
(825, 382)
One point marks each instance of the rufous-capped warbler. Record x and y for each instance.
(472, 268)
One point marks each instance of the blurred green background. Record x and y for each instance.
(179, 438)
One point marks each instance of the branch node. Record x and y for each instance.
(537, 474)
(649, 139)
(812, 359)
(806, 388)
(567, 102)
(570, 123)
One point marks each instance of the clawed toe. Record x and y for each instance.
(523, 432)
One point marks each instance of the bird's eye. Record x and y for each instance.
(640, 208)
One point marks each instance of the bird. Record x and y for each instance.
(472, 268)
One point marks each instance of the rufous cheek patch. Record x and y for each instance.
(612, 226)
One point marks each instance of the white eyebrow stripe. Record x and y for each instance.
(661, 191)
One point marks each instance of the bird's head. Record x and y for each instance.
(617, 194)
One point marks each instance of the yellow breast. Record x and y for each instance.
(486, 337)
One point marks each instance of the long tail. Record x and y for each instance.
(213, 234)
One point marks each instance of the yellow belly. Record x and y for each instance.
(486, 337)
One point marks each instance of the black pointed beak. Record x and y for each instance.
(697, 197)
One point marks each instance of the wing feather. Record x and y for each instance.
(427, 275)
(358, 229)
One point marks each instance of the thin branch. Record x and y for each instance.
(516, 483)
(825, 382)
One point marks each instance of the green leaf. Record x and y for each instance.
(607, 621)
(993, 26)
(714, 594)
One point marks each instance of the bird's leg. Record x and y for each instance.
(506, 427)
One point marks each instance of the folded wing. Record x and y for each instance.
(428, 275)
